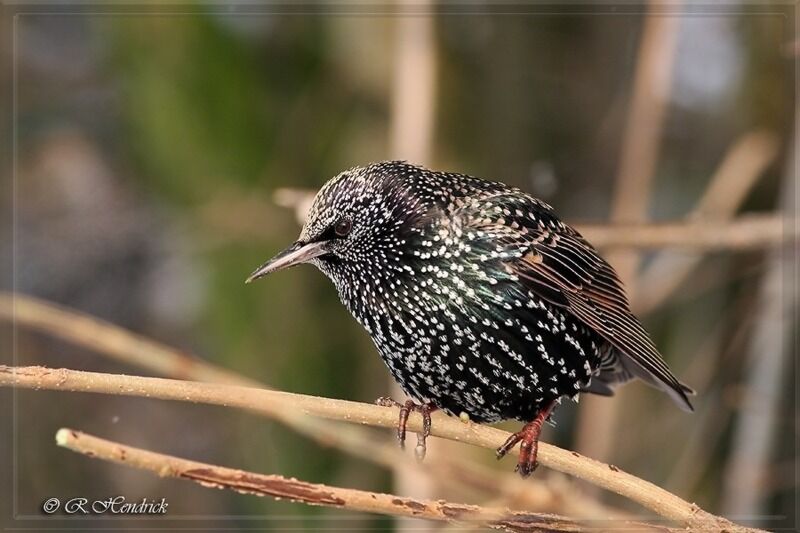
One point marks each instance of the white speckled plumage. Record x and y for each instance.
(478, 298)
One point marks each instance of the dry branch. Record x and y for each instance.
(276, 404)
(746, 232)
(111, 340)
(737, 174)
(768, 363)
(411, 126)
(730, 185)
(317, 494)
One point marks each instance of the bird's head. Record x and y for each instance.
(357, 219)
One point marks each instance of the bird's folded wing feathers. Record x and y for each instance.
(563, 268)
(595, 295)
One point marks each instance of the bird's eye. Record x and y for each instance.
(343, 227)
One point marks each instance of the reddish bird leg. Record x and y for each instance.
(406, 408)
(528, 437)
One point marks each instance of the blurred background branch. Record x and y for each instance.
(768, 362)
(731, 183)
(747, 232)
(112, 341)
(411, 129)
(315, 494)
(639, 152)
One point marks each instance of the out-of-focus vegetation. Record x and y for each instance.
(148, 149)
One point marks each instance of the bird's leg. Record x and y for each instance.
(406, 408)
(528, 437)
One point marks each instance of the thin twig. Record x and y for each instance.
(316, 494)
(273, 403)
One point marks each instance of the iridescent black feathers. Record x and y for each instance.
(478, 298)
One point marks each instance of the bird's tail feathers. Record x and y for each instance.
(678, 396)
(623, 369)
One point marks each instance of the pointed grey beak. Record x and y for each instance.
(293, 255)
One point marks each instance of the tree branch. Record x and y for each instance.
(316, 494)
(277, 404)
(727, 189)
(113, 341)
(746, 232)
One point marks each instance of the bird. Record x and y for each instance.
(481, 302)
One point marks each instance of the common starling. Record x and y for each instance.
(478, 298)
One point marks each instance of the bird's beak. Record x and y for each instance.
(294, 255)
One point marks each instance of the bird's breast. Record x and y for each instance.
(494, 351)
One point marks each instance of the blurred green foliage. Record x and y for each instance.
(202, 106)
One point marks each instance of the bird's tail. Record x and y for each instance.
(616, 370)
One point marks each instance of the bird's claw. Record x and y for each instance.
(528, 437)
(508, 445)
(406, 408)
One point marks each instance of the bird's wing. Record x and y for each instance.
(560, 266)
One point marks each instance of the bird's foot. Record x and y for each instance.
(406, 408)
(528, 437)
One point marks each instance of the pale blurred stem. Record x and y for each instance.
(411, 126)
(597, 421)
(643, 130)
(112, 341)
(727, 189)
(413, 97)
(118, 343)
(746, 232)
(729, 186)
(713, 413)
(271, 403)
(766, 367)
(294, 490)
